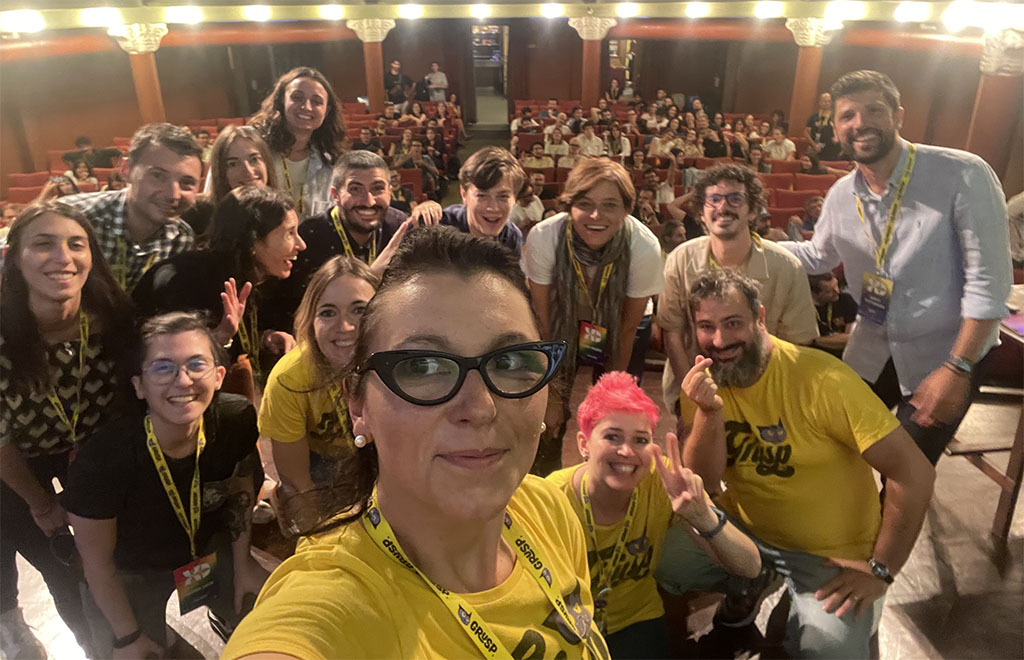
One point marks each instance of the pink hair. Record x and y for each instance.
(615, 391)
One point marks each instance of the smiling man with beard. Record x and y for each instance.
(931, 294)
(795, 435)
(730, 197)
(360, 224)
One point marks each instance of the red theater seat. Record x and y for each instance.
(27, 180)
(23, 195)
(791, 198)
(784, 166)
(780, 216)
(813, 181)
(777, 181)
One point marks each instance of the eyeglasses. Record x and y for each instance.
(165, 372)
(430, 378)
(734, 199)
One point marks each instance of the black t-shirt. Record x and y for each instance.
(823, 132)
(113, 476)
(396, 84)
(194, 280)
(714, 149)
(401, 199)
(510, 235)
(692, 227)
(372, 145)
(844, 312)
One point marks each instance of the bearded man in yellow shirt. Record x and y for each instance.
(794, 433)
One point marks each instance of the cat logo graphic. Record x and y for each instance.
(463, 616)
(773, 434)
(546, 574)
(638, 545)
(374, 516)
(197, 573)
(508, 520)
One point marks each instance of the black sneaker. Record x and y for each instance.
(740, 609)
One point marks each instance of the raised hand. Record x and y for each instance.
(700, 386)
(234, 308)
(685, 488)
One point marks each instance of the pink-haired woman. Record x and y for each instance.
(626, 509)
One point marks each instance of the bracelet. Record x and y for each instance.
(127, 640)
(721, 524)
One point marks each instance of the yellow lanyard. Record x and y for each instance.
(300, 204)
(894, 209)
(605, 569)
(58, 407)
(342, 413)
(472, 624)
(120, 266)
(828, 316)
(190, 523)
(605, 274)
(248, 334)
(343, 235)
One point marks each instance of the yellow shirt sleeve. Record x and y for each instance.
(285, 408)
(858, 417)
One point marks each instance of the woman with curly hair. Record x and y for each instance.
(301, 121)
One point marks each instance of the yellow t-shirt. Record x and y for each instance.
(634, 596)
(343, 596)
(293, 408)
(794, 472)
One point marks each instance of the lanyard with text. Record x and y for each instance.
(604, 582)
(249, 335)
(58, 407)
(343, 235)
(120, 266)
(190, 523)
(300, 203)
(713, 263)
(474, 626)
(605, 274)
(882, 249)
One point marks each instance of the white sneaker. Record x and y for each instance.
(17, 642)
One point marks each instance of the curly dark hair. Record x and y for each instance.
(271, 123)
(732, 172)
(243, 218)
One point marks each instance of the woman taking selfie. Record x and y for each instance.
(303, 411)
(592, 272)
(442, 545)
(64, 323)
(626, 497)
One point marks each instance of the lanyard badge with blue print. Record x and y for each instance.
(877, 288)
(478, 631)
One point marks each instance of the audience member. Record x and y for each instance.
(488, 183)
(646, 209)
(756, 159)
(301, 121)
(416, 159)
(540, 187)
(126, 496)
(140, 225)
(537, 159)
(614, 91)
(617, 145)
(673, 234)
(202, 137)
(591, 145)
(592, 272)
(683, 211)
(821, 130)
(84, 150)
(525, 123)
(396, 83)
(437, 83)
(555, 145)
(576, 120)
(931, 294)
(763, 228)
(115, 182)
(729, 197)
(407, 439)
(812, 211)
(779, 147)
(798, 478)
(401, 196)
(779, 121)
(304, 413)
(527, 210)
(367, 142)
(665, 190)
(60, 341)
(714, 144)
(550, 112)
(836, 312)
(412, 112)
(626, 509)
(80, 173)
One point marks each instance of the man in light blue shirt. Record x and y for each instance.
(922, 234)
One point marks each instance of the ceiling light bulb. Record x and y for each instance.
(21, 20)
(912, 12)
(185, 14)
(256, 13)
(410, 11)
(100, 17)
(332, 12)
(697, 9)
(480, 11)
(627, 9)
(768, 9)
(551, 10)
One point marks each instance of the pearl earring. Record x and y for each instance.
(360, 441)
(543, 427)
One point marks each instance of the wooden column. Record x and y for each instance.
(592, 30)
(997, 105)
(147, 88)
(811, 36)
(141, 41)
(371, 31)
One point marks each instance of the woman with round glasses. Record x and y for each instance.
(303, 411)
(592, 272)
(442, 545)
(236, 281)
(64, 323)
(165, 497)
(626, 497)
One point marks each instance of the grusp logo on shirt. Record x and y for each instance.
(769, 451)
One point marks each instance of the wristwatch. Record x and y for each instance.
(880, 571)
(963, 365)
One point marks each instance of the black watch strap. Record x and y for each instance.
(721, 523)
(880, 571)
(127, 640)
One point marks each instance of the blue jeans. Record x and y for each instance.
(811, 632)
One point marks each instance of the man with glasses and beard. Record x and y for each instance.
(795, 435)
(922, 234)
(729, 197)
